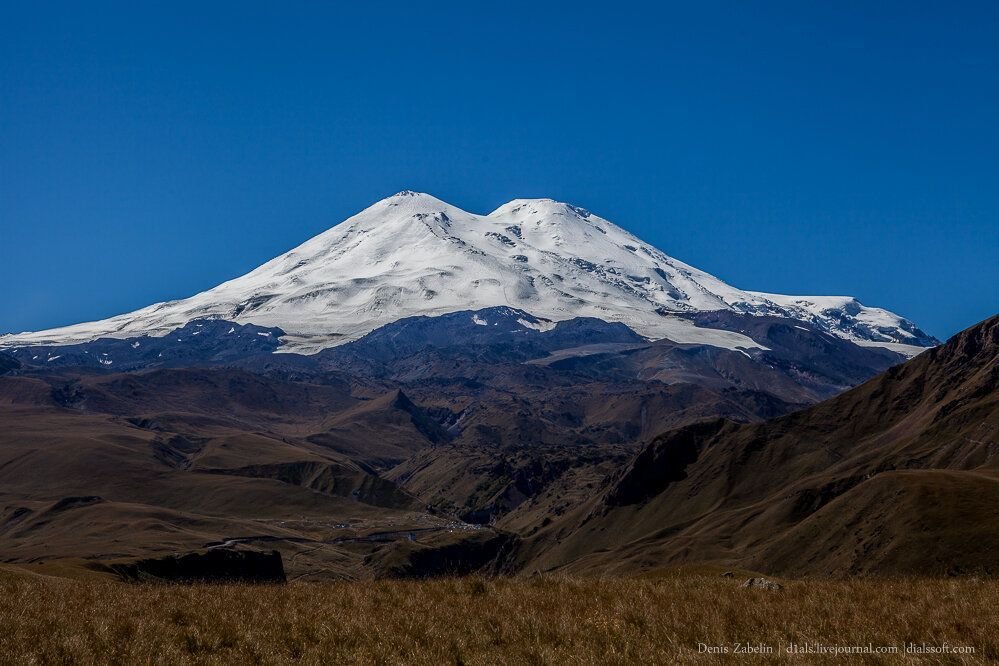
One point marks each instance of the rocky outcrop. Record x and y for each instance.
(661, 463)
(215, 566)
(762, 584)
(474, 552)
(8, 364)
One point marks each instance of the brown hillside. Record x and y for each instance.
(899, 475)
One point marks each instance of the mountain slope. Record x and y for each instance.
(412, 254)
(208, 436)
(98, 469)
(898, 475)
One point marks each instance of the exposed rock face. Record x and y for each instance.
(74, 502)
(661, 463)
(217, 566)
(197, 343)
(762, 584)
(482, 551)
(8, 364)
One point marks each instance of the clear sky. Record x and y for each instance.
(148, 153)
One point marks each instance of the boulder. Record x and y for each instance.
(762, 584)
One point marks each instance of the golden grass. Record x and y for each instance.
(482, 621)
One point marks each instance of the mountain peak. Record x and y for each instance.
(410, 199)
(539, 208)
(411, 195)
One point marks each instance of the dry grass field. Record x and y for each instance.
(542, 620)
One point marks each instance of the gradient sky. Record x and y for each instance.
(148, 153)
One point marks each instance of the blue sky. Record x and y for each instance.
(148, 153)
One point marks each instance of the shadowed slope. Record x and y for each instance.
(901, 474)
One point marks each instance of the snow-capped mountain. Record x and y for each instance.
(412, 254)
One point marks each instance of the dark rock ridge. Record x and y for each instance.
(659, 465)
(484, 551)
(330, 479)
(219, 565)
(8, 363)
(200, 342)
(514, 334)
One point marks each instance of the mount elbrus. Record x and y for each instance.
(412, 254)
(420, 391)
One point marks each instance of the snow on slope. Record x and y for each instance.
(870, 327)
(412, 254)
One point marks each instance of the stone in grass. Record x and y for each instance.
(763, 584)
